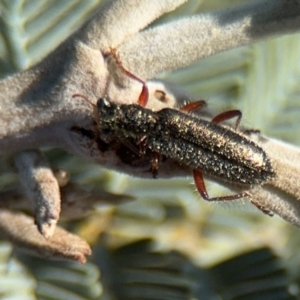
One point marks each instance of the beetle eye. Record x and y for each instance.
(106, 108)
(103, 103)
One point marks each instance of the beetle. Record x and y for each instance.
(194, 142)
(202, 145)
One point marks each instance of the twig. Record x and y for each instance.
(41, 188)
(20, 230)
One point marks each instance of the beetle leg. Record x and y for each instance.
(200, 185)
(155, 163)
(144, 95)
(193, 105)
(226, 115)
(155, 156)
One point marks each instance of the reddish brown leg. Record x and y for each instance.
(154, 163)
(155, 156)
(144, 95)
(227, 115)
(130, 146)
(200, 185)
(193, 105)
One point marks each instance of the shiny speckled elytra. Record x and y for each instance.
(200, 144)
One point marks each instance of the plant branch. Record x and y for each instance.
(20, 229)
(42, 189)
(177, 44)
(38, 108)
(119, 20)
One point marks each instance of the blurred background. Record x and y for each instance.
(167, 243)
